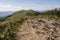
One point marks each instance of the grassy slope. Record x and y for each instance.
(9, 27)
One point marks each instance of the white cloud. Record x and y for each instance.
(41, 6)
(9, 7)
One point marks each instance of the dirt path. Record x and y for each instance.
(37, 29)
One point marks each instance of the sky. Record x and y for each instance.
(15, 5)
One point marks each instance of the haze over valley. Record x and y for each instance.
(5, 13)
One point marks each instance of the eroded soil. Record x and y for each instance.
(39, 29)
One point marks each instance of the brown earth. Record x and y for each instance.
(39, 29)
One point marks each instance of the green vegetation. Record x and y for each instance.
(10, 25)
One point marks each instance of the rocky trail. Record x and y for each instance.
(39, 29)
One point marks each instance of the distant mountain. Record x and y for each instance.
(5, 13)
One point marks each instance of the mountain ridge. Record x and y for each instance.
(10, 28)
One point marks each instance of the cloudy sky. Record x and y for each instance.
(14, 5)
